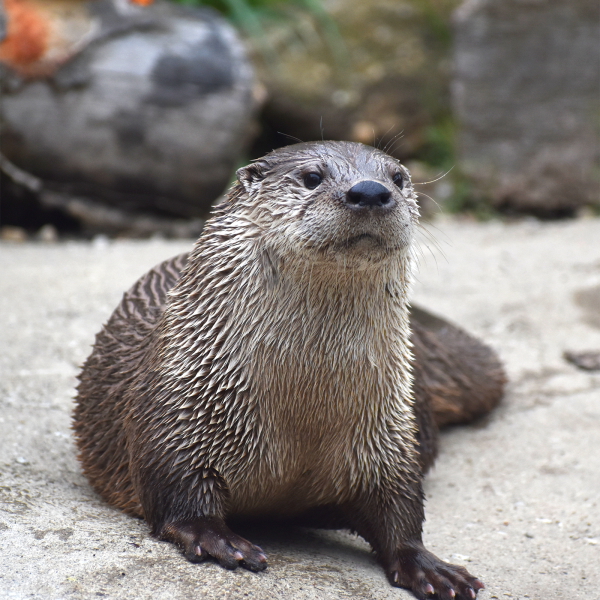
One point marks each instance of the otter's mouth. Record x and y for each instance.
(364, 238)
(362, 244)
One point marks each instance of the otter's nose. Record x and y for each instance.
(369, 194)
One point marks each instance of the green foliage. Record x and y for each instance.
(244, 13)
(229, 7)
(438, 150)
(437, 16)
(463, 200)
(250, 16)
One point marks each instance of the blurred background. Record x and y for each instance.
(130, 117)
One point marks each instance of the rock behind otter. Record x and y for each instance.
(270, 373)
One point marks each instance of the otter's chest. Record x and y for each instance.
(322, 431)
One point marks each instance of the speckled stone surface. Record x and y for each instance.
(515, 498)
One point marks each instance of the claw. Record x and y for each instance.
(429, 577)
(210, 536)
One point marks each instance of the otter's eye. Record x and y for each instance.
(312, 180)
(398, 180)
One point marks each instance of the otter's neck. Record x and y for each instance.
(300, 349)
(276, 322)
(337, 340)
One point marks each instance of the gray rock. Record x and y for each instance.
(154, 113)
(526, 93)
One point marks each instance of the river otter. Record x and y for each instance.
(270, 374)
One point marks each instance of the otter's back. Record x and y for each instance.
(118, 351)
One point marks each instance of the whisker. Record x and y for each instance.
(428, 196)
(416, 270)
(432, 255)
(437, 179)
(419, 250)
(387, 148)
(395, 146)
(383, 137)
(427, 236)
(430, 224)
(292, 137)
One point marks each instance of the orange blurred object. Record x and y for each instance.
(27, 34)
(43, 34)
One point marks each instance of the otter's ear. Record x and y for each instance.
(251, 175)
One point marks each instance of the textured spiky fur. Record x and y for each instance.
(276, 378)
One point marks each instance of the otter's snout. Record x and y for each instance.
(369, 194)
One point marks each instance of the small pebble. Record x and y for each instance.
(16, 235)
(47, 234)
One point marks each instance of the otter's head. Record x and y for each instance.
(337, 202)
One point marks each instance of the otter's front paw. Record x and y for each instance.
(429, 578)
(211, 537)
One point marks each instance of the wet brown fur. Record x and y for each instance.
(271, 374)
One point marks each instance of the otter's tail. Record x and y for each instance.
(457, 378)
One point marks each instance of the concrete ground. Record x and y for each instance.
(514, 498)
